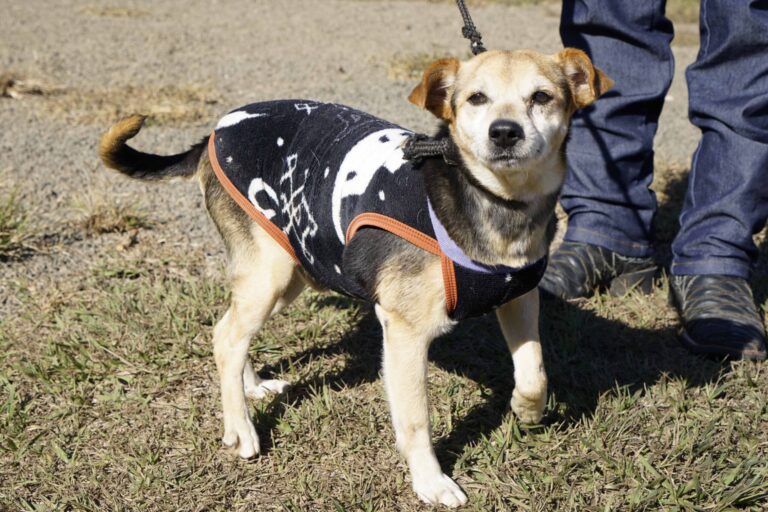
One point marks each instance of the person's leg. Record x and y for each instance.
(610, 151)
(727, 197)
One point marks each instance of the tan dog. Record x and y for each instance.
(508, 114)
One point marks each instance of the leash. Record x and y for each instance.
(469, 31)
(420, 146)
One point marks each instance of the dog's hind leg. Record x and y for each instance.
(258, 388)
(519, 322)
(261, 274)
(255, 386)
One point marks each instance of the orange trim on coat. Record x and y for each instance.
(275, 232)
(418, 239)
(449, 279)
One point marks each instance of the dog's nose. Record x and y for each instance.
(505, 133)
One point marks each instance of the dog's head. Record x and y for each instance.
(509, 111)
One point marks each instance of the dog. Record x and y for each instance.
(285, 191)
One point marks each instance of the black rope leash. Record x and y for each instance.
(420, 146)
(469, 30)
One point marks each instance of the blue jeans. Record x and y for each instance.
(610, 151)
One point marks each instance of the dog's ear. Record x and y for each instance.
(587, 83)
(432, 92)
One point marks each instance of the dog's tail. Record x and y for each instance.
(116, 154)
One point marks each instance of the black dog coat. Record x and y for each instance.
(312, 174)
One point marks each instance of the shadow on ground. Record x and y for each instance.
(586, 356)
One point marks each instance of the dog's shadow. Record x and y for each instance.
(585, 356)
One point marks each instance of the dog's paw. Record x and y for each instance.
(242, 437)
(528, 408)
(266, 387)
(439, 490)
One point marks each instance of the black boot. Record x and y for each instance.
(719, 316)
(578, 269)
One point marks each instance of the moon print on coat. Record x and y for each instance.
(380, 149)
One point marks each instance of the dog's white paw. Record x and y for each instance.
(528, 408)
(439, 490)
(266, 387)
(242, 436)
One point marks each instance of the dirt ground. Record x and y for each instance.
(84, 242)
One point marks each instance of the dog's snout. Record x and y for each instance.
(505, 133)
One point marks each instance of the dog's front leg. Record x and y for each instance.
(405, 380)
(519, 321)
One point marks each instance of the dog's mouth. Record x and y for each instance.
(507, 158)
(511, 158)
(504, 157)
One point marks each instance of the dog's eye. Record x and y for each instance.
(477, 99)
(541, 98)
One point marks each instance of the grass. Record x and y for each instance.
(15, 232)
(109, 401)
(109, 397)
(100, 215)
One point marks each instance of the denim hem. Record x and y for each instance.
(712, 266)
(618, 245)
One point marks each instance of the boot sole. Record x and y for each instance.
(716, 351)
(719, 351)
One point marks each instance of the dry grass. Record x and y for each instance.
(100, 214)
(410, 66)
(177, 105)
(683, 11)
(13, 85)
(169, 104)
(670, 183)
(15, 231)
(113, 11)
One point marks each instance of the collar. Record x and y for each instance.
(459, 257)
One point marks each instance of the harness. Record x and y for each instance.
(314, 174)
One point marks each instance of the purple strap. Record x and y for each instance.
(449, 247)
